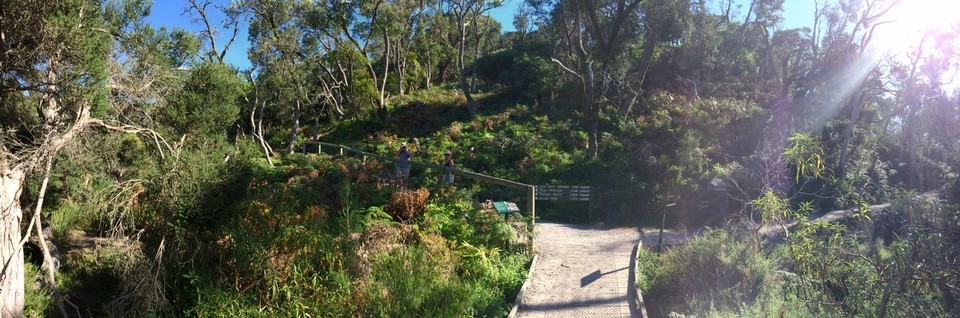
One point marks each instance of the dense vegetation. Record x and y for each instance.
(171, 184)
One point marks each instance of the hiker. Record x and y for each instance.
(403, 164)
(448, 166)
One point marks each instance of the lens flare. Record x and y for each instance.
(908, 21)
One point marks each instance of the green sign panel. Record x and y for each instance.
(503, 207)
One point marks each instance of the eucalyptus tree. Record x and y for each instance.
(595, 39)
(922, 104)
(402, 22)
(844, 75)
(360, 24)
(435, 48)
(467, 13)
(485, 32)
(278, 55)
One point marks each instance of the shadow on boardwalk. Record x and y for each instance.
(582, 271)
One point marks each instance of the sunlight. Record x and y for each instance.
(909, 20)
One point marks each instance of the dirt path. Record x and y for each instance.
(581, 271)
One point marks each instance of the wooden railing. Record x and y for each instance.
(530, 190)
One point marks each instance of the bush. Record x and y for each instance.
(716, 271)
(406, 205)
(37, 300)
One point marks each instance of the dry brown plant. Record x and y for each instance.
(405, 205)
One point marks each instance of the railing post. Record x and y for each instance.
(532, 204)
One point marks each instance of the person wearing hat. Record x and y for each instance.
(448, 166)
(403, 164)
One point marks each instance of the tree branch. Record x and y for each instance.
(128, 129)
(211, 31)
(51, 267)
(566, 69)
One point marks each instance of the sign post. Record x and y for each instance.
(663, 222)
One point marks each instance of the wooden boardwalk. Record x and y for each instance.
(581, 271)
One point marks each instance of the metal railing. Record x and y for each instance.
(530, 190)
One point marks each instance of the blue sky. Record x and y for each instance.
(170, 14)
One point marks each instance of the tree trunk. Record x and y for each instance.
(12, 281)
(442, 71)
(293, 130)
(593, 149)
(429, 72)
(386, 69)
(463, 71)
(401, 67)
(476, 53)
(593, 113)
(847, 134)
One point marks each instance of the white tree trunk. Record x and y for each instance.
(293, 130)
(11, 281)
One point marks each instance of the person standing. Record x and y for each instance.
(403, 165)
(448, 166)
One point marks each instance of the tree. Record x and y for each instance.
(209, 103)
(596, 37)
(467, 13)
(278, 54)
(54, 73)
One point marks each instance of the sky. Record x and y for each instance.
(170, 14)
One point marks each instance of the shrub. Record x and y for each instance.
(406, 205)
(717, 271)
(37, 300)
(413, 283)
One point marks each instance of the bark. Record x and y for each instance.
(291, 142)
(12, 280)
(257, 133)
(476, 52)
(263, 142)
(428, 66)
(443, 70)
(386, 72)
(461, 48)
(401, 67)
(256, 128)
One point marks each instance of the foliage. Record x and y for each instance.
(806, 155)
(730, 116)
(407, 204)
(715, 272)
(209, 102)
(37, 300)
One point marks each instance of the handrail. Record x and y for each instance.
(531, 189)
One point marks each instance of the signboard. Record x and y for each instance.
(564, 192)
(505, 207)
